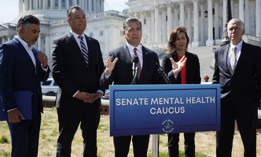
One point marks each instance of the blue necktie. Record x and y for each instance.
(84, 50)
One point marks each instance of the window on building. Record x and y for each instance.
(70, 3)
(91, 34)
(56, 4)
(48, 4)
(144, 21)
(63, 4)
(101, 33)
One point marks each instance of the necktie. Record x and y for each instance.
(84, 50)
(233, 59)
(138, 64)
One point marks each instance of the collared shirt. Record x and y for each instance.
(139, 52)
(238, 51)
(78, 40)
(27, 48)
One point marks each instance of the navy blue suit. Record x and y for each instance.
(240, 95)
(72, 74)
(18, 73)
(122, 74)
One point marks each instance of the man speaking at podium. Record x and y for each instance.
(131, 63)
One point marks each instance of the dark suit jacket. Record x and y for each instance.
(122, 72)
(244, 86)
(18, 73)
(192, 68)
(71, 72)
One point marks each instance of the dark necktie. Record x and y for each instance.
(138, 64)
(84, 50)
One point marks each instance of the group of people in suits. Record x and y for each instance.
(78, 69)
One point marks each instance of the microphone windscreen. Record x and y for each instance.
(135, 59)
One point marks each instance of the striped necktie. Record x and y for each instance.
(84, 49)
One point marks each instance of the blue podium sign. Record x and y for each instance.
(158, 109)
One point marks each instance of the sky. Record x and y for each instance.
(9, 8)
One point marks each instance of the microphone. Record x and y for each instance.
(134, 61)
(163, 74)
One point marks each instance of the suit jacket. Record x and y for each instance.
(122, 72)
(70, 70)
(18, 73)
(244, 86)
(192, 68)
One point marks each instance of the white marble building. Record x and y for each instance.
(204, 19)
(104, 26)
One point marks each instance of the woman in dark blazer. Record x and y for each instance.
(182, 68)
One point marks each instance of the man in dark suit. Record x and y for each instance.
(22, 67)
(77, 65)
(238, 70)
(119, 71)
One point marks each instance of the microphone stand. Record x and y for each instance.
(163, 74)
(135, 72)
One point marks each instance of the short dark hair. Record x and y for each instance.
(69, 11)
(130, 19)
(27, 19)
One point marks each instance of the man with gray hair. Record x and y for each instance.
(238, 71)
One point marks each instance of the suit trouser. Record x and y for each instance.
(246, 122)
(173, 144)
(25, 137)
(69, 119)
(140, 145)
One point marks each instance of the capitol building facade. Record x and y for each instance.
(204, 19)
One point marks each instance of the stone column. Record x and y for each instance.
(195, 42)
(157, 30)
(176, 17)
(241, 10)
(36, 5)
(52, 4)
(258, 17)
(90, 6)
(189, 20)
(224, 14)
(46, 49)
(102, 5)
(152, 24)
(20, 6)
(44, 4)
(216, 20)
(202, 25)
(95, 8)
(169, 24)
(67, 4)
(164, 25)
(182, 15)
(59, 4)
(30, 5)
(247, 25)
(39, 41)
(210, 41)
